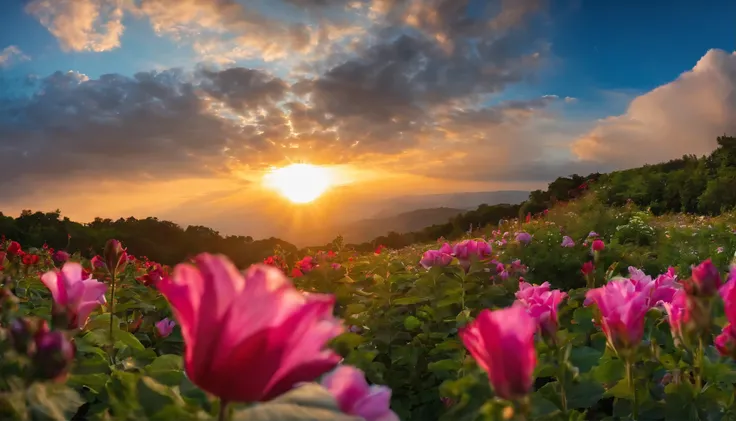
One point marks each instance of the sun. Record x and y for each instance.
(300, 183)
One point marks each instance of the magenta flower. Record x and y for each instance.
(60, 256)
(658, 291)
(725, 342)
(466, 249)
(567, 242)
(598, 245)
(433, 258)
(73, 294)
(622, 309)
(706, 279)
(541, 303)
(165, 327)
(446, 248)
(355, 397)
(249, 337)
(677, 313)
(502, 343)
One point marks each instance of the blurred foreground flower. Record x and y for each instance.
(355, 397)
(502, 343)
(249, 338)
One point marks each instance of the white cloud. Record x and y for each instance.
(682, 117)
(10, 55)
(81, 25)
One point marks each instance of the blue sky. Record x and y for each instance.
(491, 94)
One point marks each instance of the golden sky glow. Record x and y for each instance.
(300, 183)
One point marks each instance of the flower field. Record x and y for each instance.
(584, 312)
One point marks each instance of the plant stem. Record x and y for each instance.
(699, 365)
(524, 408)
(222, 414)
(630, 382)
(561, 378)
(112, 305)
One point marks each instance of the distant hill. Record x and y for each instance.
(465, 201)
(368, 229)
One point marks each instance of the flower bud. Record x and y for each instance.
(115, 256)
(706, 279)
(54, 355)
(22, 333)
(60, 256)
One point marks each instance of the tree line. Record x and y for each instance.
(705, 185)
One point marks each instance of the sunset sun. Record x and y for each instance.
(300, 183)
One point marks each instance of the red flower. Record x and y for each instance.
(29, 259)
(587, 268)
(296, 273)
(14, 248)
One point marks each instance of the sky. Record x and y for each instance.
(177, 108)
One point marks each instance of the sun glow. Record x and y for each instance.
(300, 183)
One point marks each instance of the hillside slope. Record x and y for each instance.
(369, 229)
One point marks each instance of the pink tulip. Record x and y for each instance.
(502, 343)
(622, 310)
(355, 397)
(165, 327)
(432, 258)
(541, 303)
(73, 294)
(249, 338)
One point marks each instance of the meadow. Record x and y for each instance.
(581, 312)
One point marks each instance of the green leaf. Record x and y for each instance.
(306, 403)
(52, 401)
(155, 397)
(585, 358)
(129, 339)
(409, 300)
(412, 323)
(541, 407)
(166, 369)
(584, 394)
(444, 365)
(621, 390)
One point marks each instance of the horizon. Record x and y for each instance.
(179, 109)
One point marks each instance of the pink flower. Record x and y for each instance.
(432, 258)
(677, 313)
(726, 342)
(335, 266)
(706, 279)
(253, 337)
(73, 294)
(523, 237)
(598, 245)
(60, 256)
(165, 327)
(622, 310)
(502, 343)
(567, 242)
(355, 397)
(306, 264)
(446, 248)
(541, 303)
(466, 249)
(658, 291)
(587, 268)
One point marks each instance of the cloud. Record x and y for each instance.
(10, 55)
(682, 117)
(81, 25)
